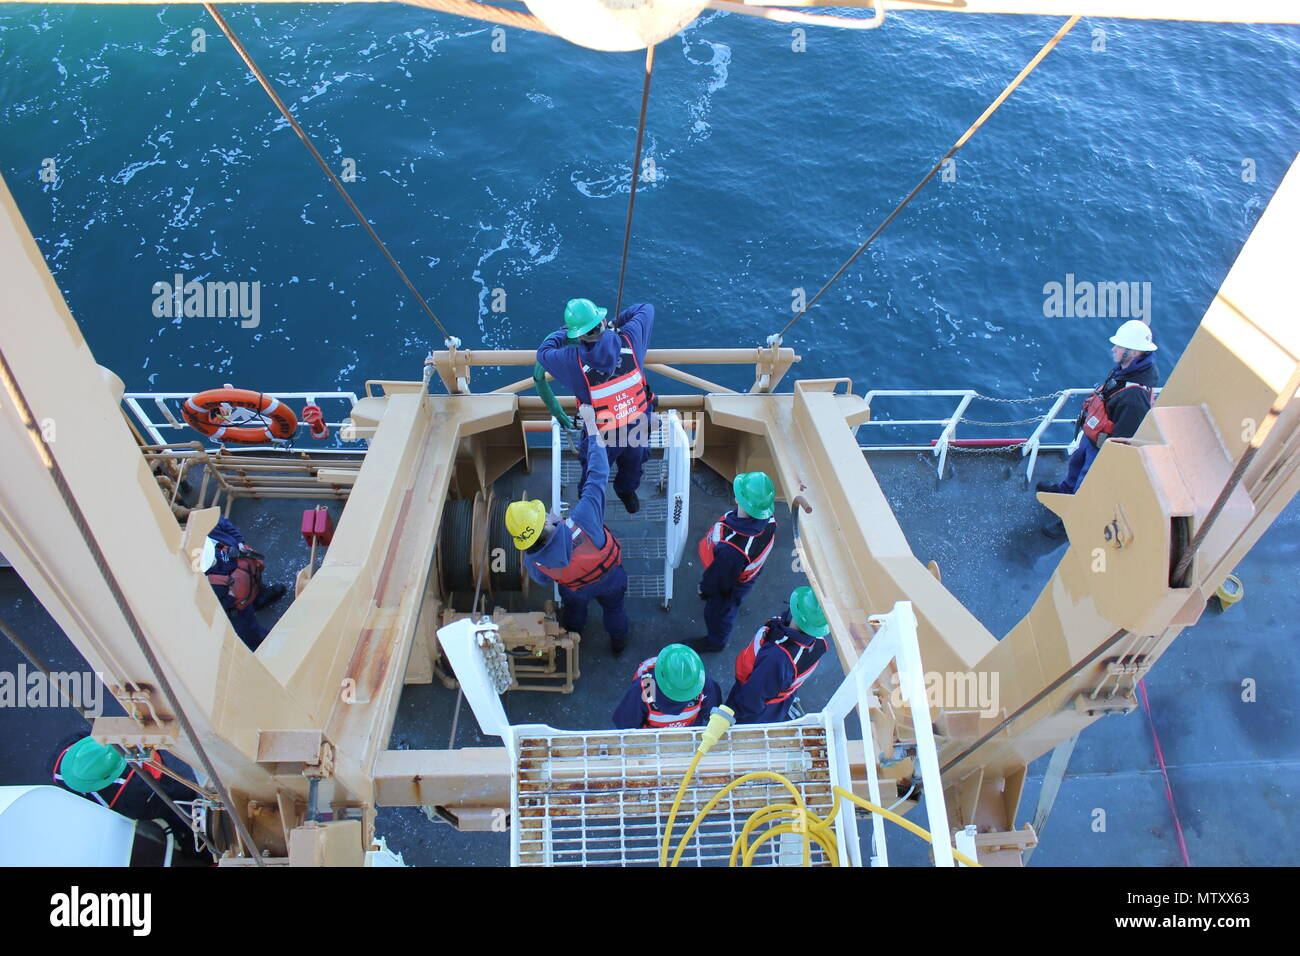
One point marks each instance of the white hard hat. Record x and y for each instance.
(1134, 334)
(209, 556)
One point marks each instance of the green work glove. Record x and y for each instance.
(548, 396)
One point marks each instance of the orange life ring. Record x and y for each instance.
(204, 413)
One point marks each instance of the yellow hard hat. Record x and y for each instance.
(525, 521)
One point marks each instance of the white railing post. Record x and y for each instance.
(677, 463)
(941, 448)
(557, 505)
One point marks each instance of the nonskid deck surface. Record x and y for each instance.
(1234, 766)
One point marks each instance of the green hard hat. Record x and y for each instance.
(679, 672)
(88, 766)
(806, 612)
(755, 493)
(581, 316)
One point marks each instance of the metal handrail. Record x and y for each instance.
(166, 416)
(1029, 445)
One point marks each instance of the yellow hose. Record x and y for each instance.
(793, 828)
(677, 802)
(893, 818)
(805, 822)
(708, 807)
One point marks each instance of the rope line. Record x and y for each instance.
(320, 160)
(44, 452)
(636, 173)
(992, 108)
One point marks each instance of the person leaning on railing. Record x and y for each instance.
(1115, 409)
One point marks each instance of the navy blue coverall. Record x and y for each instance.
(564, 360)
(772, 675)
(720, 586)
(556, 553)
(1126, 408)
(247, 626)
(632, 711)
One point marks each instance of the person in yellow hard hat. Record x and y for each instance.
(733, 553)
(603, 363)
(578, 553)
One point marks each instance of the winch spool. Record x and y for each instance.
(454, 569)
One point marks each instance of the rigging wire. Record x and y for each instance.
(320, 160)
(636, 173)
(63, 697)
(962, 140)
(42, 447)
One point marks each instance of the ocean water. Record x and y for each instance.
(510, 170)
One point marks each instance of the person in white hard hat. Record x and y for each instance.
(1115, 409)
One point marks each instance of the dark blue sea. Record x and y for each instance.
(1146, 161)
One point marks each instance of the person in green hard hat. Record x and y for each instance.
(733, 553)
(101, 774)
(603, 364)
(669, 690)
(774, 665)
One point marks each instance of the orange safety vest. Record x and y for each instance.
(622, 397)
(658, 719)
(1096, 419)
(804, 660)
(751, 544)
(588, 563)
(245, 582)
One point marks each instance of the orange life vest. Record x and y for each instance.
(588, 563)
(244, 583)
(624, 396)
(804, 651)
(755, 547)
(1096, 419)
(658, 719)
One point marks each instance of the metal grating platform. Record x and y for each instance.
(652, 474)
(602, 798)
(650, 549)
(652, 509)
(645, 585)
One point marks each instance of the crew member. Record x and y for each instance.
(1115, 409)
(604, 366)
(783, 654)
(235, 573)
(579, 553)
(101, 774)
(669, 690)
(733, 553)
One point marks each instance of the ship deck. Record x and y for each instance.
(1233, 766)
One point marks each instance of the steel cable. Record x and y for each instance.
(44, 452)
(320, 160)
(992, 108)
(636, 173)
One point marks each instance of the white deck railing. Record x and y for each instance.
(1029, 434)
(158, 417)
